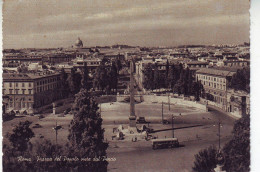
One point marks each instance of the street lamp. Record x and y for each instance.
(219, 125)
(56, 128)
(172, 127)
(169, 103)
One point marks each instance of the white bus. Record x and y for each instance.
(165, 143)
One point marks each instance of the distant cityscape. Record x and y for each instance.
(30, 74)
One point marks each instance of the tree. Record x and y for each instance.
(21, 136)
(64, 83)
(156, 78)
(86, 135)
(71, 81)
(197, 90)
(166, 78)
(113, 77)
(46, 149)
(101, 77)
(241, 80)
(85, 78)
(20, 146)
(172, 76)
(205, 160)
(237, 150)
(118, 64)
(148, 77)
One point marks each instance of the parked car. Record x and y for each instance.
(141, 120)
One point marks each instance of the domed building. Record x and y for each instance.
(78, 43)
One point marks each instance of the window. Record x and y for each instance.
(30, 84)
(3, 91)
(17, 91)
(10, 91)
(10, 84)
(30, 91)
(23, 84)
(23, 90)
(16, 84)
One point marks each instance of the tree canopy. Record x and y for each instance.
(86, 135)
(241, 80)
(237, 150)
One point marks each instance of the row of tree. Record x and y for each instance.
(106, 76)
(174, 77)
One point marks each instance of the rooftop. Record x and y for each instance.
(197, 62)
(27, 76)
(216, 72)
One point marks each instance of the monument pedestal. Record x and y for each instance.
(132, 121)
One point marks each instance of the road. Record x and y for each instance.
(139, 156)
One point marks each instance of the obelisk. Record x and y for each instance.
(132, 117)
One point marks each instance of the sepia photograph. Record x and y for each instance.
(126, 86)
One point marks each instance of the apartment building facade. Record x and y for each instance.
(27, 92)
(215, 84)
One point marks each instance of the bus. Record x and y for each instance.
(165, 143)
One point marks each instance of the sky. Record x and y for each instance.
(58, 23)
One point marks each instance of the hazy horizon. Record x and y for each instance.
(52, 23)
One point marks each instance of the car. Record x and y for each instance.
(166, 121)
(141, 120)
(37, 126)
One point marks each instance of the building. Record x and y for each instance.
(114, 56)
(28, 92)
(15, 59)
(237, 63)
(91, 63)
(238, 103)
(193, 65)
(55, 58)
(215, 83)
(179, 55)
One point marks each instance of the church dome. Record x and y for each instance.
(79, 43)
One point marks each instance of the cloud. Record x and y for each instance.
(111, 19)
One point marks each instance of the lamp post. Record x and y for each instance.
(56, 128)
(169, 101)
(219, 135)
(172, 127)
(219, 125)
(162, 112)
